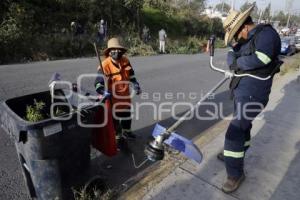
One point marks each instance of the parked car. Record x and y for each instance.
(285, 31)
(288, 46)
(297, 43)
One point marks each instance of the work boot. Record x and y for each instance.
(232, 184)
(220, 156)
(129, 135)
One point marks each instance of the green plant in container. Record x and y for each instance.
(34, 113)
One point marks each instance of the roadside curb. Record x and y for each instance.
(153, 175)
(156, 173)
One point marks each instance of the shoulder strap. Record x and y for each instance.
(257, 31)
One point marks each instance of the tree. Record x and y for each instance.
(135, 6)
(4, 5)
(254, 14)
(283, 18)
(223, 7)
(32, 27)
(267, 13)
(245, 6)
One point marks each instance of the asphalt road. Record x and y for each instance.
(185, 78)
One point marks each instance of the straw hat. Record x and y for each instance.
(233, 22)
(113, 43)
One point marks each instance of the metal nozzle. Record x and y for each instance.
(155, 149)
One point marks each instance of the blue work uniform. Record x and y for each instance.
(250, 95)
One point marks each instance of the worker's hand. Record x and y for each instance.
(100, 90)
(137, 89)
(105, 95)
(233, 43)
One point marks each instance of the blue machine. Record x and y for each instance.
(180, 143)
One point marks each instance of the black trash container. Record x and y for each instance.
(50, 151)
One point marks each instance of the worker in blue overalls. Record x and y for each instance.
(255, 50)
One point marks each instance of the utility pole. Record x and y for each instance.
(288, 21)
(232, 4)
(223, 6)
(260, 15)
(288, 6)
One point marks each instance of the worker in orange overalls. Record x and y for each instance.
(118, 75)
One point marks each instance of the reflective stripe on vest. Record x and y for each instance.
(98, 85)
(263, 57)
(247, 144)
(234, 154)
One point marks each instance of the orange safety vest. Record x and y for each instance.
(116, 75)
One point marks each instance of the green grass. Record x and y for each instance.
(183, 45)
(290, 64)
(94, 195)
(34, 113)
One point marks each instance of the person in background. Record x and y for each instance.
(145, 34)
(162, 40)
(101, 33)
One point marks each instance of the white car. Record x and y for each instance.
(297, 43)
(285, 30)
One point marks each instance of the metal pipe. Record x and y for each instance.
(181, 119)
(228, 75)
(236, 75)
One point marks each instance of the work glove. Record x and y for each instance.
(104, 96)
(137, 88)
(232, 60)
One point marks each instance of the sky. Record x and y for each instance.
(276, 5)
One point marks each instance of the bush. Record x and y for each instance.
(41, 30)
(189, 45)
(179, 26)
(156, 20)
(141, 49)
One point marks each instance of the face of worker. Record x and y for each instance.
(116, 54)
(242, 35)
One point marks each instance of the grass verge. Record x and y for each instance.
(290, 64)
